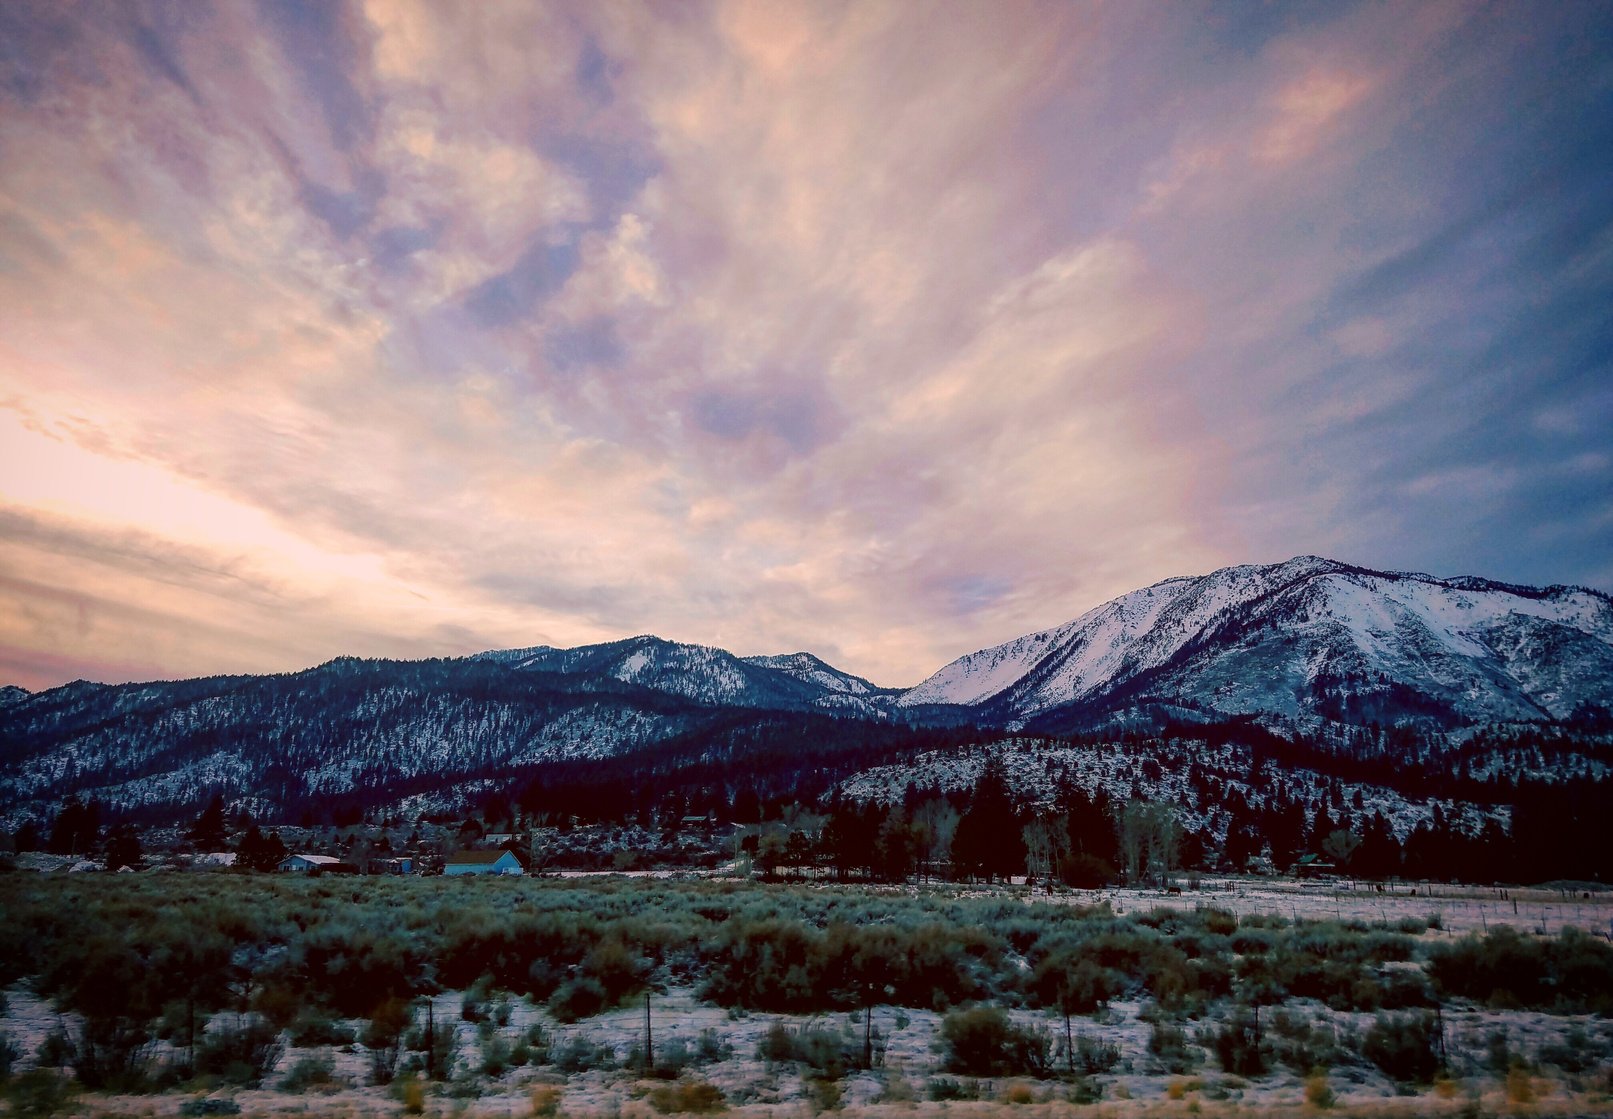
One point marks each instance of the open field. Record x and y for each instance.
(537, 990)
(1451, 909)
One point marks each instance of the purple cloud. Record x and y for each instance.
(389, 327)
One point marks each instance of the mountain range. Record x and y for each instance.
(1309, 646)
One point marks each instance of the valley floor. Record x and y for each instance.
(910, 1076)
(1446, 908)
(1529, 1077)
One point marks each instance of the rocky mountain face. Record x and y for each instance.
(1308, 644)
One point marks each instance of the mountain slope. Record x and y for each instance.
(793, 682)
(383, 728)
(1312, 643)
(1309, 639)
(379, 730)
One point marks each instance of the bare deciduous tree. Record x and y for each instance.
(1150, 840)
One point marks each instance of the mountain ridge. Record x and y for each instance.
(1198, 639)
(1308, 646)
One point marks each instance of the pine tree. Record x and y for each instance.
(207, 833)
(76, 828)
(989, 842)
(123, 847)
(27, 837)
(261, 852)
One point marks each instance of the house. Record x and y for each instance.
(317, 864)
(483, 862)
(1313, 866)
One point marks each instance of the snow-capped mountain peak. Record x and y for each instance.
(1309, 638)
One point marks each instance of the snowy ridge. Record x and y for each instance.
(1341, 653)
(794, 681)
(1310, 639)
(806, 667)
(1074, 656)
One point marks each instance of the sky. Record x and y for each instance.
(884, 331)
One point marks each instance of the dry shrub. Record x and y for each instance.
(824, 1092)
(1520, 1086)
(897, 1088)
(546, 1101)
(412, 1094)
(1176, 1089)
(1446, 1088)
(1018, 1093)
(1318, 1092)
(695, 1097)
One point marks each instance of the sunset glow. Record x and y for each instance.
(887, 331)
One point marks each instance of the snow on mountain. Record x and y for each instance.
(381, 726)
(1087, 647)
(805, 666)
(1200, 780)
(794, 681)
(384, 726)
(1310, 639)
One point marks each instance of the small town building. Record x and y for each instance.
(483, 862)
(316, 864)
(1313, 866)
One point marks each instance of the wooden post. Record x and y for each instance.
(431, 1038)
(1069, 1043)
(1439, 1019)
(649, 1050)
(868, 1028)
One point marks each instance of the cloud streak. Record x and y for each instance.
(389, 328)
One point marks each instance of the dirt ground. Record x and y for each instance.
(1453, 910)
